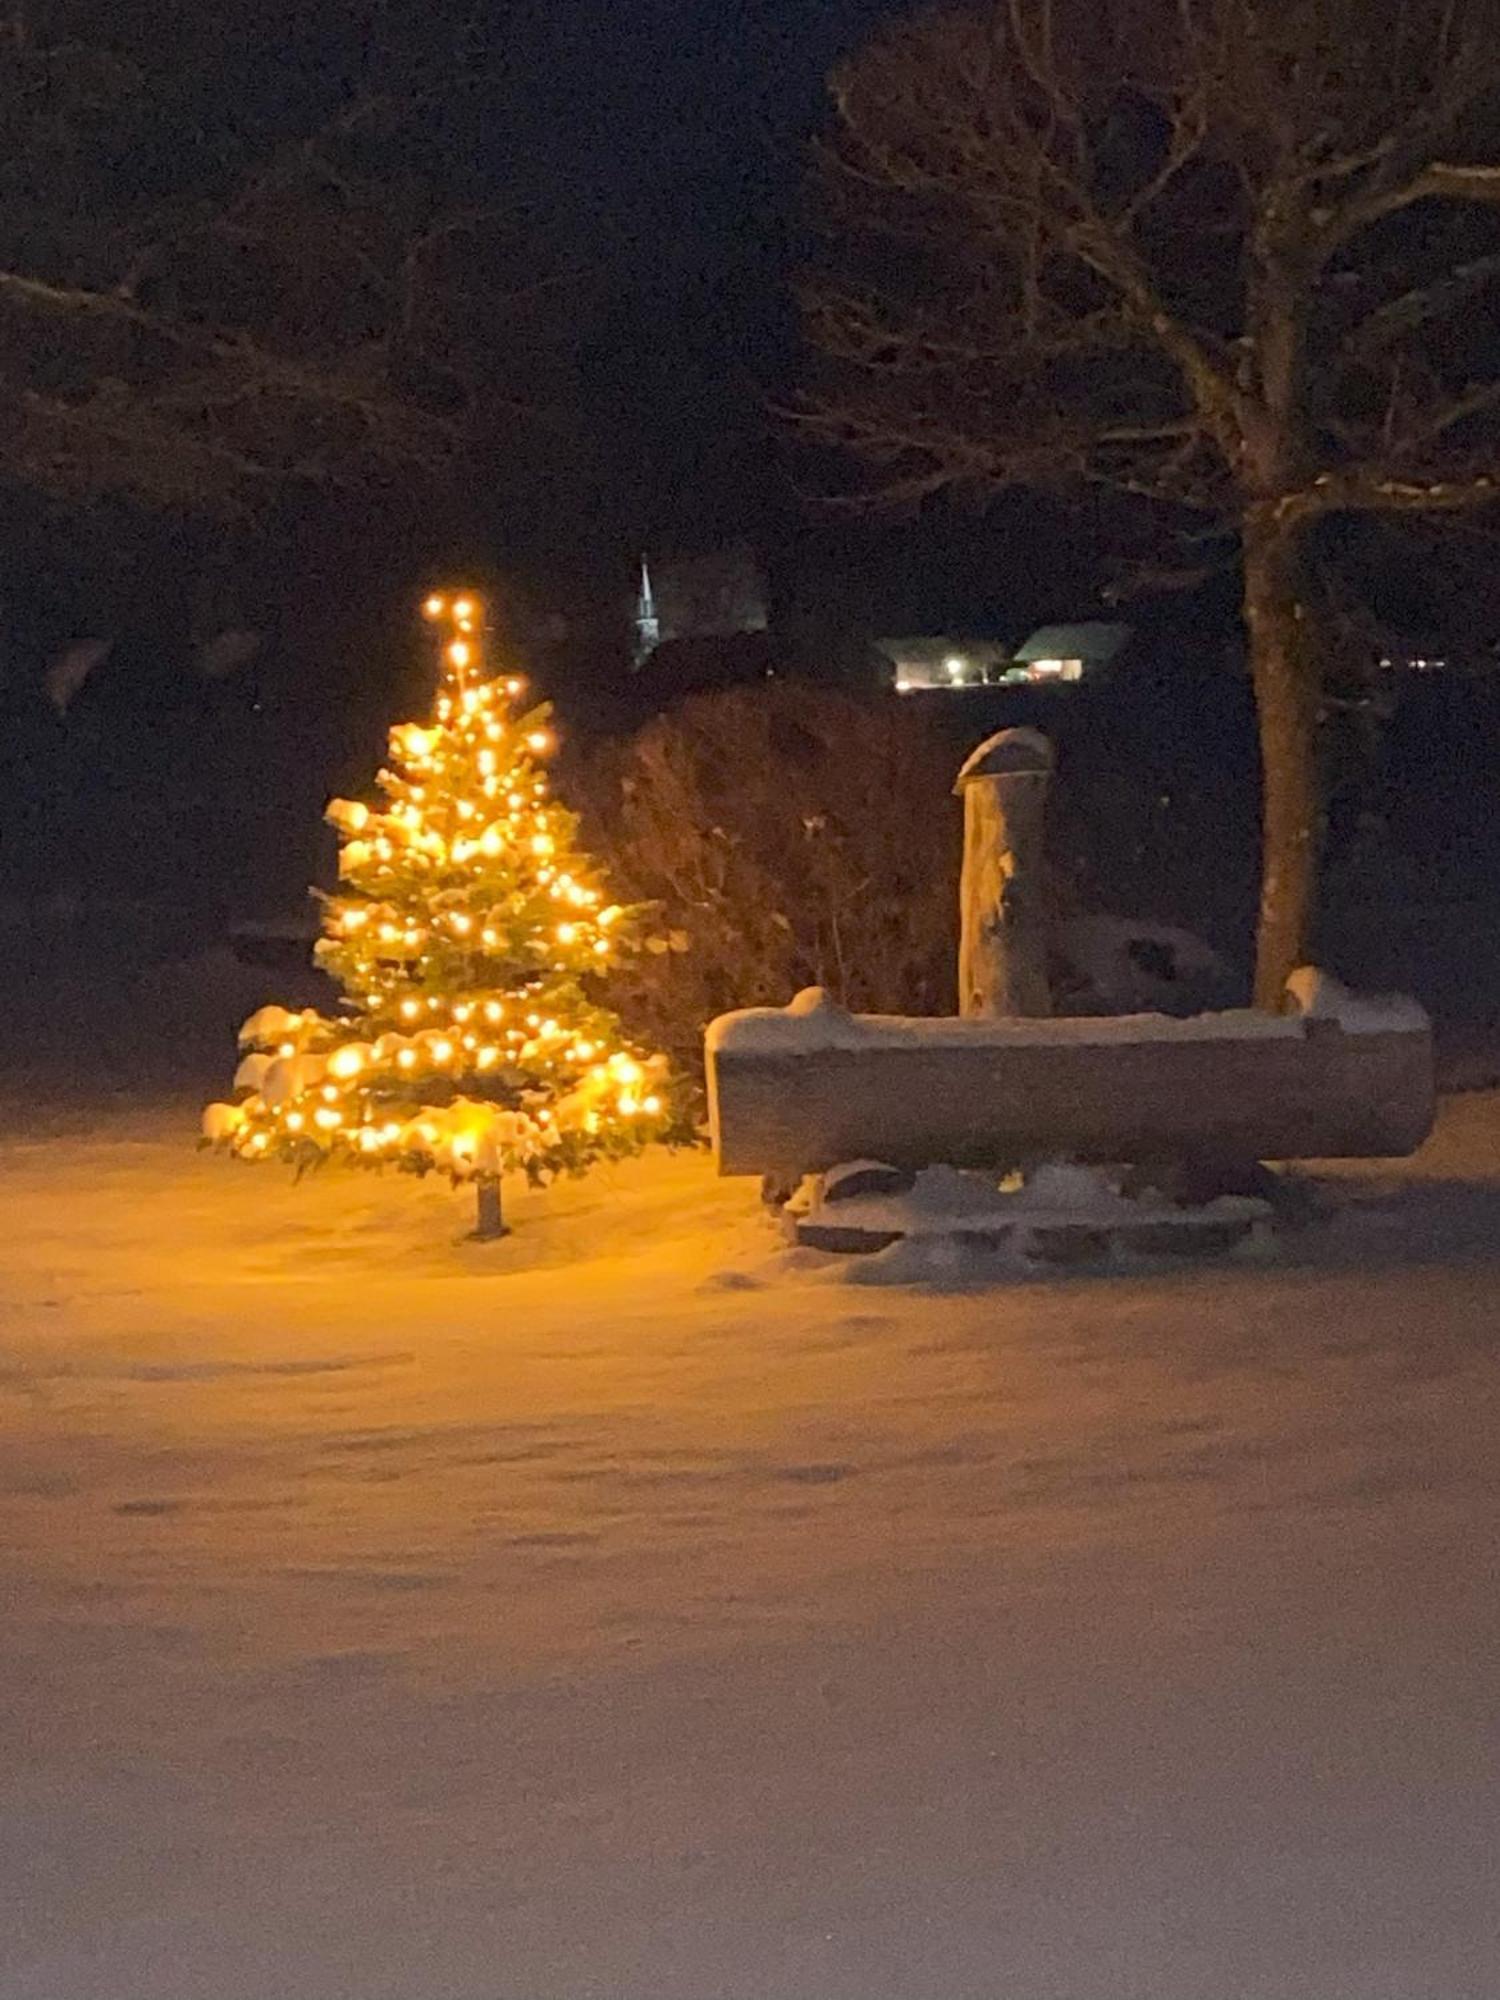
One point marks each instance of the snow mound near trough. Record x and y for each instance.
(950, 1223)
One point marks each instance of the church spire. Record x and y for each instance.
(647, 623)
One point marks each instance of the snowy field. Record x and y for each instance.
(619, 1614)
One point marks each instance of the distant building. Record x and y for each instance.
(1414, 663)
(715, 596)
(1052, 653)
(1071, 652)
(922, 663)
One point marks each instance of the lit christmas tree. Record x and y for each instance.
(467, 936)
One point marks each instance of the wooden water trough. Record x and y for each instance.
(801, 1089)
(797, 1090)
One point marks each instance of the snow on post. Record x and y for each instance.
(1002, 953)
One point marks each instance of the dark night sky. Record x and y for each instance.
(653, 152)
(656, 149)
(673, 134)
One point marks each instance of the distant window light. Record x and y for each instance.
(903, 687)
(955, 666)
(1057, 670)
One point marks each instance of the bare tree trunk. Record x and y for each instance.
(490, 1223)
(1285, 671)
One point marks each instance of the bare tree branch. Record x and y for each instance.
(1371, 490)
(291, 310)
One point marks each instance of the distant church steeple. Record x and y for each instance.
(647, 623)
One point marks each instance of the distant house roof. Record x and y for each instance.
(1094, 644)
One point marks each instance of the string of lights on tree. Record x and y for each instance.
(468, 935)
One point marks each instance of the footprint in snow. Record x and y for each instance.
(732, 1281)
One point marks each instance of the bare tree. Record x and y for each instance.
(1236, 259)
(207, 293)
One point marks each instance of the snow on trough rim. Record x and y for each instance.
(813, 1023)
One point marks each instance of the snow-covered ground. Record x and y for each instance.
(628, 1613)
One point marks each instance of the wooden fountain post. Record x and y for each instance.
(1002, 952)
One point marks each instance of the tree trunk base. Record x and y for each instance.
(1285, 667)
(490, 1225)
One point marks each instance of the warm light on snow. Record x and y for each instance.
(647, 1611)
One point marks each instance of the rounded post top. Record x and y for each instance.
(1009, 753)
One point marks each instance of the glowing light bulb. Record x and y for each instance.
(442, 1050)
(653, 1105)
(346, 1062)
(407, 1059)
(434, 607)
(462, 924)
(294, 1121)
(463, 607)
(327, 1118)
(460, 652)
(410, 1009)
(538, 740)
(566, 933)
